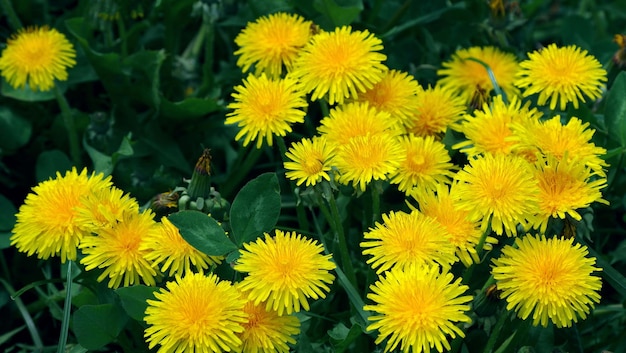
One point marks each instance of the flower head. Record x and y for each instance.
(561, 74)
(164, 245)
(355, 119)
(500, 189)
(564, 187)
(264, 107)
(272, 42)
(48, 222)
(196, 313)
(407, 238)
(466, 76)
(118, 250)
(549, 278)
(425, 165)
(417, 307)
(37, 56)
(104, 207)
(367, 158)
(285, 270)
(309, 161)
(340, 64)
(437, 108)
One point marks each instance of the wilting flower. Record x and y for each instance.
(417, 307)
(36, 56)
(265, 107)
(196, 313)
(284, 271)
(309, 161)
(437, 109)
(561, 74)
(548, 279)
(48, 223)
(340, 64)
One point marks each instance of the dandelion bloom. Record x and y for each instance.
(37, 56)
(367, 158)
(309, 161)
(272, 42)
(466, 76)
(265, 107)
(48, 222)
(417, 307)
(407, 238)
(437, 108)
(462, 232)
(561, 74)
(340, 64)
(118, 250)
(164, 245)
(549, 278)
(105, 207)
(395, 94)
(500, 189)
(355, 119)
(266, 331)
(284, 271)
(425, 165)
(196, 313)
(489, 130)
(564, 187)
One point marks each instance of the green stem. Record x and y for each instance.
(67, 306)
(495, 333)
(122, 34)
(70, 125)
(14, 21)
(30, 324)
(376, 190)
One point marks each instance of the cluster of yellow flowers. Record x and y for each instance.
(523, 169)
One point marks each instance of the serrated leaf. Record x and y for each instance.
(615, 110)
(134, 300)
(202, 232)
(256, 208)
(97, 325)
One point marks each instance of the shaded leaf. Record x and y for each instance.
(49, 163)
(134, 300)
(97, 325)
(615, 110)
(202, 232)
(15, 131)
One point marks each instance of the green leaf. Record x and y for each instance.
(4, 338)
(25, 94)
(339, 15)
(190, 108)
(342, 337)
(49, 163)
(615, 110)
(7, 214)
(97, 325)
(167, 150)
(202, 232)
(256, 208)
(427, 18)
(105, 164)
(15, 131)
(134, 300)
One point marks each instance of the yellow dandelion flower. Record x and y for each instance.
(196, 313)
(549, 278)
(285, 270)
(118, 250)
(104, 208)
(500, 190)
(164, 245)
(551, 137)
(272, 42)
(340, 64)
(266, 331)
(265, 107)
(355, 119)
(309, 161)
(489, 130)
(564, 187)
(463, 233)
(437, 109)
(425, 165)
(395, 94)
(561, 74)
(48, 222)
(417, 307)
(466, 76)
(36, 56)
(407, 238)
(367, 158)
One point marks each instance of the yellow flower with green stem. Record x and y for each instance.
(309, 161)
(548, 280)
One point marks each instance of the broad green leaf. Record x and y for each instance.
(190, 108)
(25, 94)
(615, 110)
(339, 15)
(134, 300)
(15, 131)
(166, 149)
(7, 214)
(49, 163)
(105, 164)
(256, 208)
(202, 232)
(97, 325)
